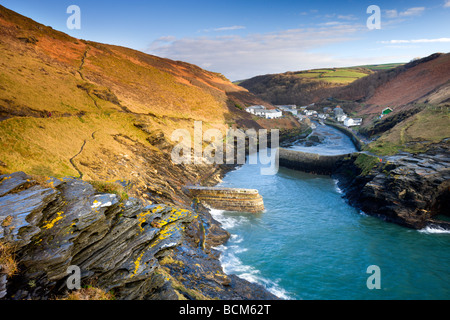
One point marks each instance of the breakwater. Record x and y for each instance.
(336, 143)
(309, 162)
(231, 199)
(356, 141)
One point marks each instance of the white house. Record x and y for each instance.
(288, 108)
(338, 111)
(272, 114)
(260, 112)
(254, 109)
(339, 114)
(341, 117)
(349, 122)
(310, 112)
(269, 114)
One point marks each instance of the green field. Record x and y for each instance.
(335, 75)
(339, 75)
(376, 67)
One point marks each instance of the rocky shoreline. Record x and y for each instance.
(140, 249)
(407, 189)
(136, 251)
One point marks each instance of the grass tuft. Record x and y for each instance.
(110, 187)
(90, 293)
(8, 263)
(366, 163)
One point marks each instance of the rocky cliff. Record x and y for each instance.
(103, 116)
(407, 189)
(124, 246)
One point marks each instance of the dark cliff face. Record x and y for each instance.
(406, 189)
(134, 249)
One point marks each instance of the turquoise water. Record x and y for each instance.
(310, 244)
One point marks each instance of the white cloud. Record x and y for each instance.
(330, 23)
(348, 17)
(411, 12)
(391, 13)
(166, 39)
(240, 57)
(402, 46)
(221, 29)
(438, 40)
(229, 28)
(447, 4)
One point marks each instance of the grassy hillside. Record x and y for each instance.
(418, 92)
(305, 87)
(416, 133)
(377, 67)
(402, 85)
(302, 87)
(335, 75)
(70, 107)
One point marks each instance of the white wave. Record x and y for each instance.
(228, 222)
(339, 190)
(219, 217)
(238, 249)
(236, 238)
(433, 230)
(233, 265)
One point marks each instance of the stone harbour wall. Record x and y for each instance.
(309, 162)
(230, 199)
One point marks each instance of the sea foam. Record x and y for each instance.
(433, 230)
(231, 263)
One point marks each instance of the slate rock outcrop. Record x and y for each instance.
(131, 248)
(407, 189)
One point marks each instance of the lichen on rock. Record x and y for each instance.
(117, 244)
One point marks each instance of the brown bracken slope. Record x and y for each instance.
(425, 80)
(46, 70)
(70, 107)
(414, 83)
(419, 95)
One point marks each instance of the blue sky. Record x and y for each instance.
(241, 39)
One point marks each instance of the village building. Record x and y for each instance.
(310, 112)
(339, 114)
(385, 112)
(271, 114)
(261, 111)
(254, 109)
(350, 122)
(327, 110)
(288, 108)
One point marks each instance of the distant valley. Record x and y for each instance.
(418, 92)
